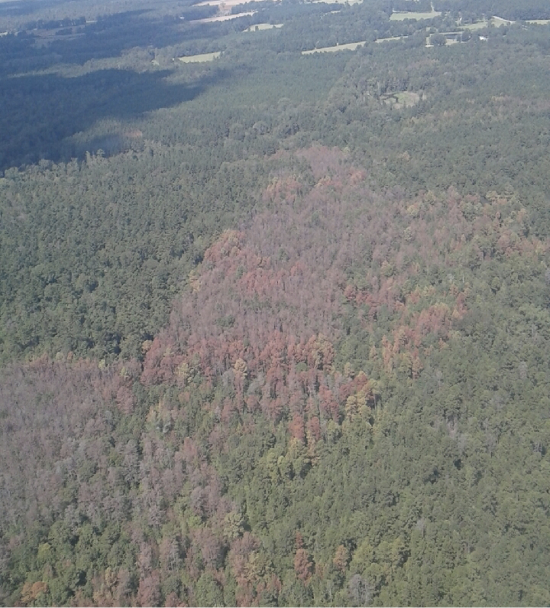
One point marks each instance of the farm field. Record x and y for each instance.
(494, 21)
(391, 39)
(224, 17)
(223, 4)
(478, 25)
(203, 58)
(350, 2)
(498, 21)
(352, 46)
(416, 16)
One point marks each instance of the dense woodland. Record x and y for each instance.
(275, 328)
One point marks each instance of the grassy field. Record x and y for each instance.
(479, 25)
(538, 21)
(223, 17)
(392, 39)
(495, 21)
(337, 1)
(498, 21)
(200, 58)
(223, 4)
(416, 16)
(263, 26)
(352, 46)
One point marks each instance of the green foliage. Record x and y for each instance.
(341, 401)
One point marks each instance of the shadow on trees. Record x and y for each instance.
(111, 36)
(40, 112)
(39, 46)
(24, 7)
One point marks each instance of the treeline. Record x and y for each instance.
(507, 9)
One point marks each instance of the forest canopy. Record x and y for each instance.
(274, 303)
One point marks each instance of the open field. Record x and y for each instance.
(337, 1)
(498, 21)
(392, 39)
(200, 58)
(259, 27)
(479, 25)
(223, 4)
(402, 99)
(538, 21)
(411, 15)
(352, 46)
(224, 17)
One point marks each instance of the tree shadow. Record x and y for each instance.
(40, 111)
(24, 7)
(41, 46)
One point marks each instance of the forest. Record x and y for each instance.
(274, 324)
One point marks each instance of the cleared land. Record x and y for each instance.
(538, 21)
(263, 26)
(478, 25)
(495, 21)
(500, 21)
(337, 1)
(200, 58)
(392, 39)
(411, 15)
(220, 3)
(403, 99)
(339, 47)
(223, 17)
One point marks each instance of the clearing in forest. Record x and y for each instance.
(263, 26)
(498, 21)
(200, 58)
(223, 5)
(402, 99)
(478, 25)
(401, 16)
(352, 46)
(337, 1)
(224, 17)
(391, 39)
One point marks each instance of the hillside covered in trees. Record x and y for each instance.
(275, 326)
